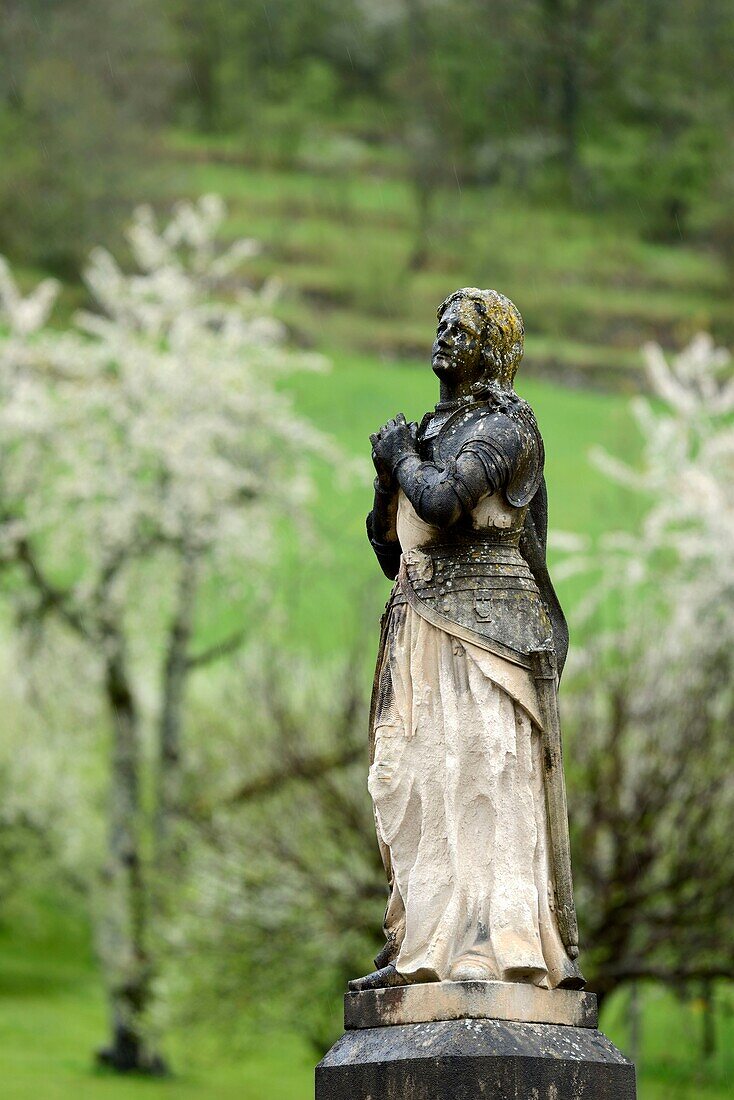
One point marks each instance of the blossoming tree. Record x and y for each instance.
(650, 699)
(147, 454)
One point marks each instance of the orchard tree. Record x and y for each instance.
(650, 705)
(147, 453)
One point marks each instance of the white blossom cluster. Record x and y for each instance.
(682, 554)
(685, 547)
(659, 622)
(650, 696)
(155, 419)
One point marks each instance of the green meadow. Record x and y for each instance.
(52, 1017)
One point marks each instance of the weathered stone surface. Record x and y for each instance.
(474, 1060)
(466, 771)
(417, 1004)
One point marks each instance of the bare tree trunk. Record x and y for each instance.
(424, 193)
(422, 141)
(708, 1036)
(169, 794)
(569, 113)
(567, 24)
(125, 920)
(203, 52)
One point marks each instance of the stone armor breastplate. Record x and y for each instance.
(472, 580)
(480, 582)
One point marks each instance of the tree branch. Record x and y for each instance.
(666, 974)
(217, 651)
(310, 767)
(53, 598)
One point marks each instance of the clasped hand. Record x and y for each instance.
(391, 442)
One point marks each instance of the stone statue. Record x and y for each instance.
(466, 775)
(477, 990)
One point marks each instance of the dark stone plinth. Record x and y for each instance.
(475, 1060)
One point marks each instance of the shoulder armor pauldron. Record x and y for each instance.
(509, 427)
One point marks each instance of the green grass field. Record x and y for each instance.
(52, 1018)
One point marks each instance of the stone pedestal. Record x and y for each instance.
(461, 1041)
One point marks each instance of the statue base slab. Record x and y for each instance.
(423, 1003)
(471, 1059)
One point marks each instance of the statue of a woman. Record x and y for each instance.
(466, 775)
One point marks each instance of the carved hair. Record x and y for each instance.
(502, 333)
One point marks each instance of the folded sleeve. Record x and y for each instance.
(442, 493)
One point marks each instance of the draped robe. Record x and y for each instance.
(457, 787)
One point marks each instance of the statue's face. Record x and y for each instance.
(457, 349)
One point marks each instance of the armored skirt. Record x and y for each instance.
(457, 788)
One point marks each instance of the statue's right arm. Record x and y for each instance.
(442, 493)
(382, 528)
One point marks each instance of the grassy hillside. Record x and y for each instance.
(591, 289)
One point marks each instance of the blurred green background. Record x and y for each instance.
(575, 154)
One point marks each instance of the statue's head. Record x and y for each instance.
(479, 339)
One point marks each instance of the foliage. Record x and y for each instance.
(519, 92)
(146, 450)
(441, 92)
(651, 703)
(83, 87)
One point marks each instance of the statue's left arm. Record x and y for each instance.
(533, 549)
